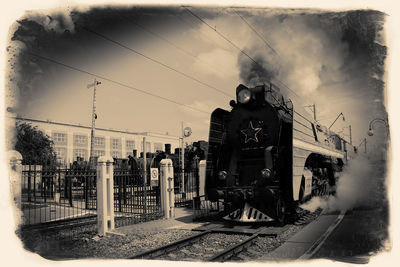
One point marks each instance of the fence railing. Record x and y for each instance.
(51, 194)
(133, 199)
(185, 191)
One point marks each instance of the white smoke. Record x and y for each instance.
(305, 54)
(361, 184)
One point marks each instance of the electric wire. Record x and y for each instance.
(238, 48)
(156, 61)
(114, 81)
(222, 36)
(254, 30)
(184, 51)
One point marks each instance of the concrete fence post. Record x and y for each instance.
(105, 195)
(15, 176)
(202, 177)
(167, 188)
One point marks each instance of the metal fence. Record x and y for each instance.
(52, 195)
(134, 200)
(186, 190)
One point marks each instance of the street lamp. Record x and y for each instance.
(340, 114)
(371, 132)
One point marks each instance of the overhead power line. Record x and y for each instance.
(113, 81)
(184, 51)
(234, 45)
(221, 35)
(155, 61)
(254, 30)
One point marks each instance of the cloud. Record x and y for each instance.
(217, 62)
(207, 105)
(305, 53)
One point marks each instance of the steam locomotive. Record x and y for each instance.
(267, 155)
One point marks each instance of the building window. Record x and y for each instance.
(116, 154)
(80, 140)
(99, 153)
(98, 141)
(59, 138)
(129, 154)
(130, 144)
(61, 154)
(158, 147)
(115, 143)
(82, 153)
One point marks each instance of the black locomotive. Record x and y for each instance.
(267, 154)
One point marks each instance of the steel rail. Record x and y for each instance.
(169, 247)
(233, 250)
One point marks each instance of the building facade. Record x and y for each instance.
(72, 141)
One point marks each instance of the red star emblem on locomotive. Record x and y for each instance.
(250, 133)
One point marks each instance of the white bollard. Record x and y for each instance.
(167, 188)
(105, 195)
(202, 177)
(15, 176)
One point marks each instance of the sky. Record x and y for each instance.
(194, 57)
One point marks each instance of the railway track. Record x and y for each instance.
(210, 245)
(220, 242)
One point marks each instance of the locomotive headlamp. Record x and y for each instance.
(244, 96)
(222, 175)
(266, 173)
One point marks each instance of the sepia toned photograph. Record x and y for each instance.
(199, 133)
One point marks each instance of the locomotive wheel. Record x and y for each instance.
(280, 210)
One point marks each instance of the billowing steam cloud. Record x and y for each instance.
(307, 54)
(359, 185)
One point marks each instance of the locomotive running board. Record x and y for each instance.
(248, 214)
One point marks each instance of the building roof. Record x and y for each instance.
(96, 128)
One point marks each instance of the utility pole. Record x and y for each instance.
(365, 145)
(351, 141)
(144, 176)
(315, 113)
(183, 161)
(94, 117)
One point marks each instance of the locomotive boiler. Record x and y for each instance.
(266, 155)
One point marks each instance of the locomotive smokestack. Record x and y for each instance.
(168, 149)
